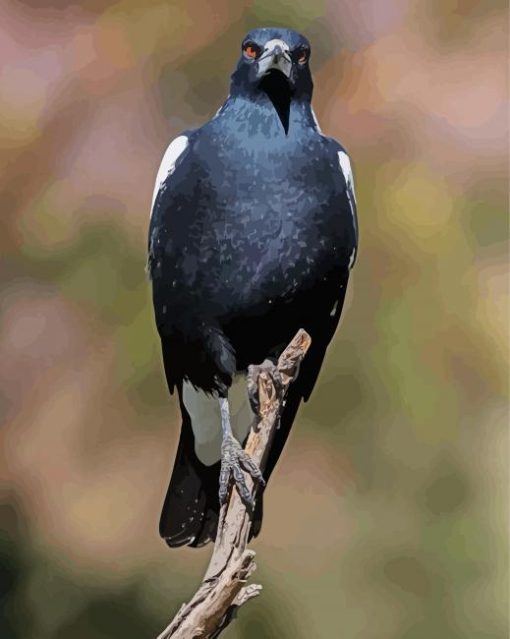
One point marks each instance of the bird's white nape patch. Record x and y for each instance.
(205, 415)
(175, 149)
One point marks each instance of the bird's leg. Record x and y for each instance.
(234, 460)
(269, 366)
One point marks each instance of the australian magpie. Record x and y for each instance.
(252, 236)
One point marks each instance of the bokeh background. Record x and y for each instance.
(387, 515)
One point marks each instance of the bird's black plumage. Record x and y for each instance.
(252, 235)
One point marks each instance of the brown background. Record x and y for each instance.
(386, 517)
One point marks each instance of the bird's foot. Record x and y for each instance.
(233, 461)
(267, 366)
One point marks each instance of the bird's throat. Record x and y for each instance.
(276, 86)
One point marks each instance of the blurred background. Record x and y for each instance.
(387, 515)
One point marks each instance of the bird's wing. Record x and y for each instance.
(323, 327)
(169, 176)
(346, 171)
(326, 319)
(172, 156)
(190, 510)
(170, 184)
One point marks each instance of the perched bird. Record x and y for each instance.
(252, 236)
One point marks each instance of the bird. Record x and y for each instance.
(253, 234)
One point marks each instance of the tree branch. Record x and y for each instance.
(223, 589)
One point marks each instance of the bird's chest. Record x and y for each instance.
(263, 224)
(263, 194)
(274, 221)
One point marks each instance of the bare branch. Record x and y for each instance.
(224, 588)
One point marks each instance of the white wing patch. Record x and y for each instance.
(352, 258)
(345, 167)
(204, 411)
(316, 122)
(175, 149)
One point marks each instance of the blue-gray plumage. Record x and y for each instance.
(252, 235)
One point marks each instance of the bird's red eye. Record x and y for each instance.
(251, 50)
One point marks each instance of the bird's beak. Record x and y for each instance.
(275, 56)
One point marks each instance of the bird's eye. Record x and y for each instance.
(302, 56)
(251, 50)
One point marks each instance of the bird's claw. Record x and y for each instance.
(233, 461)
(254, 371)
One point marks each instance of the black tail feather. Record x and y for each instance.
(191, 507)
(190, 510)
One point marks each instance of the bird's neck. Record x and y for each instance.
(258, 114)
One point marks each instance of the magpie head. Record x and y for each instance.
(274, 61)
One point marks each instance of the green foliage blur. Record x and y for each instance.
(387, 515)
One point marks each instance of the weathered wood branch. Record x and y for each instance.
(224, 588)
